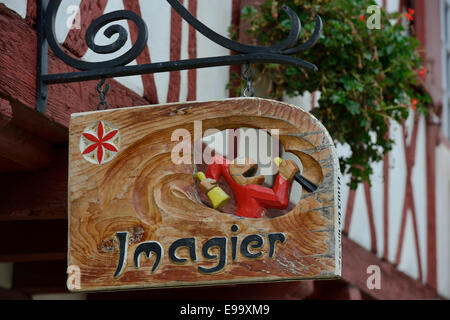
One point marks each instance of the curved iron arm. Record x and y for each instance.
(117, 67)
(310, 42)
(290, 41)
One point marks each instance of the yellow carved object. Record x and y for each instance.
(216, 195)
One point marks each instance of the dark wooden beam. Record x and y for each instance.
(36, 195)
(40, 277)
(17, 152)
(261, 291)
(33, 213)
(27, 241)
(37, 124)
(337, 290)
(23, 148)
(7, 165)
(7, 294)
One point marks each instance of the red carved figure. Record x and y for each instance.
(252, 199)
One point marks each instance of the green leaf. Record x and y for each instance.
(286, 23)
(353, 107)
(248, 12)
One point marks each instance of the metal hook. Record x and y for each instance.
(247, 74)
(102, 93)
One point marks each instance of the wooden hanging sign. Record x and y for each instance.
(151, 204)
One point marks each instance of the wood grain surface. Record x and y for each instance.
(142, 192)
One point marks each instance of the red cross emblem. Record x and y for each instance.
(100, 142)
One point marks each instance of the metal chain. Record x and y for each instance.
(247, 74)
(102, 93)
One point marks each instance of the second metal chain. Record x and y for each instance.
(247, 74)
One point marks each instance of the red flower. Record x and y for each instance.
(409, 14)
(413, 104)
(361, 17)
(422, 72)
(100, 142)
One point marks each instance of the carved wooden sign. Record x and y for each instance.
(145, 212)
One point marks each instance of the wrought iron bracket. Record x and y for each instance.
(117, 67)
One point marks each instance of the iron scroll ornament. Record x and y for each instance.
(91, 32)
(117, 67)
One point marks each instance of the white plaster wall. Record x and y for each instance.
(156, 15)
(19, 6)
(408, 261)
(443, 174)
(377, 193)
(391, 5)
(65, 18)
(359, 228)
(344, 151)
(184, 55)
(443, 219)
(303, 101)
(397, 180)
(419, 185)
(211, 82)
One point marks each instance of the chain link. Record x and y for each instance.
(247, 74)
(102, 93)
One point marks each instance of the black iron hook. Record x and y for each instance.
(102, 93)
